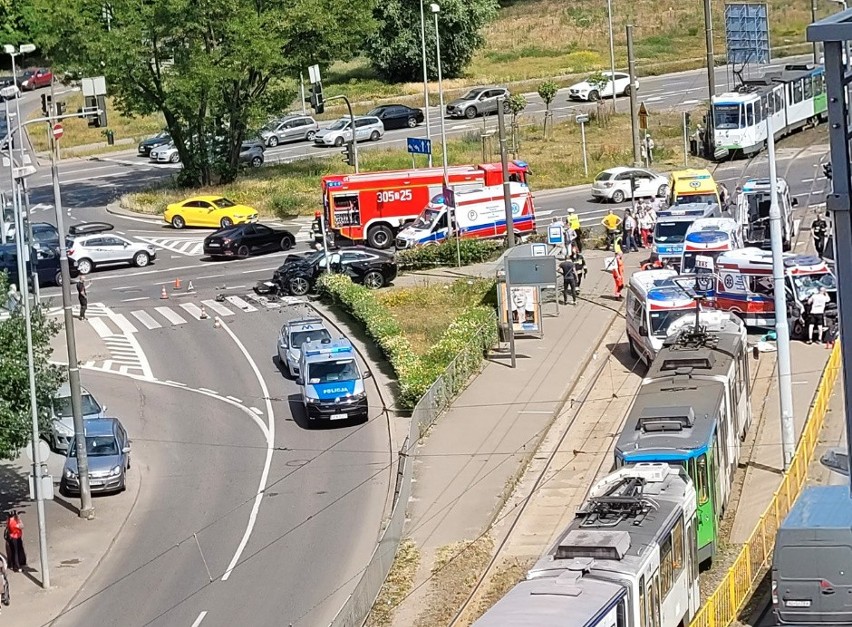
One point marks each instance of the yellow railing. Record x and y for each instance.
(722, 606)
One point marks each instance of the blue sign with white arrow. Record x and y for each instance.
(419, 146)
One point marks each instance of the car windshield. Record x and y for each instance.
(97, 446)
(604, 176)
(339, 125)
(426, 219)
(670, 232)
(377, 111)
(726, 116)
(688, 264)
(662, 320)
(29, 73)
(270, 126)
(808, 284)
(298, 338)
(330, 371)
(224, 203)
(62, 406)
(689, 199)
(473, 94)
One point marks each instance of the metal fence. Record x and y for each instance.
(434, 402)
(736, 588)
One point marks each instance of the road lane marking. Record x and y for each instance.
(100, 327)
(192, 309)
(217, 307)
(239, 302)
(145, 318)
(259, 412)
(235, 399)
(199, 619)
(124, 324)
(133, 300)
(209, 391)
(170, 315)
(270, 446)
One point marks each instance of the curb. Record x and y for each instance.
(114, 208)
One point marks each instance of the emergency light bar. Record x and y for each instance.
(305, 322)
(329, 347)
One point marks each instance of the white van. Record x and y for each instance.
(752, 211)
(654, 302)
(480, 213)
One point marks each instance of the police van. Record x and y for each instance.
(331, 381)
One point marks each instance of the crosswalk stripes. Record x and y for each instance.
(188, 246)
(169, 315)
(218, 308)
(146, 319)
(192, 309)
(239, 302)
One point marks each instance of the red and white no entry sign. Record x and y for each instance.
(58, 131)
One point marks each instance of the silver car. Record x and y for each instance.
(293, 335)
(291, 128)
(108, 450)
(165, 154)
(90, 245)
(367, 127)
(62, 423)
(478, 101)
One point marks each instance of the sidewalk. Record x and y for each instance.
(469, 463)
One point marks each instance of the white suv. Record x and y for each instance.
(367, 127)
(90, 245)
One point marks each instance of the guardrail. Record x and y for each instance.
(736, 588)
(434, 402)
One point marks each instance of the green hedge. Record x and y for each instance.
(415, 374)
(445, 254)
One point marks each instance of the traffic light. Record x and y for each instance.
(349, 154)
(60, 107)
(826, 168)
(96, 120)
(45, 104)
(315, 99)
(686, 119)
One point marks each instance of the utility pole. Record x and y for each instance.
(425, 78)
(507, 188)
(87, 511)
(782, 326)
(634, 119)
(301, 88)
(814, 19)
(708, 36)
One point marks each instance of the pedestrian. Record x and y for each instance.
(570, 236)
(569, 281)
(832, 327)
(723, 194)
(574, 223)
(611, 222)
(82, 296)
(580, 267)
(816, 314)
(15, 554)
(629, 230)
(618, 274)
(646, 227)
(819, 230)
(13, 299)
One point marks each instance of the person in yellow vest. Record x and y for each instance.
(611, 223)
(574, 224)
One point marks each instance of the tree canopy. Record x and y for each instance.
(395, 48)
(211, 68)
(15, 416)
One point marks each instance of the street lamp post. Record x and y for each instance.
(611, 48)
(435, 8)
(425, 77)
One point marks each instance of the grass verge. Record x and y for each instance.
(396, 586)
(292, 189)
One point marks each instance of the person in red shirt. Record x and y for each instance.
(15, 554)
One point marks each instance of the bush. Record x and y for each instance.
(415, 374)
(445, 254)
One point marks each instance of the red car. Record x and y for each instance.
(34, 79)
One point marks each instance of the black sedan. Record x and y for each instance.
(369, 267)
(147, 145)
(247, 239)
(398, 116)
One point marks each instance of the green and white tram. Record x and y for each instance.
(794, 97)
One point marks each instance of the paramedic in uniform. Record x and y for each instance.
(816, 316)
(819, 229)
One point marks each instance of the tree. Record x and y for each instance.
(598, 82)
(395, 47)
(15, 19)
(210, 68)
(516, 103)
(15, 416)
(547, 92)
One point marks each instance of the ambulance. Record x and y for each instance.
(332, 382)
(479, 213)
(693, 186)
(672, 225)
(752, 210)
(744, 285)
(705, 240)
(372, 207)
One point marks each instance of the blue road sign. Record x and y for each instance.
(555, 234)
(419, 146)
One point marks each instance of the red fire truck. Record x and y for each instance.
(373, 206)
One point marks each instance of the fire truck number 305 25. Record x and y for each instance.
(399, 195)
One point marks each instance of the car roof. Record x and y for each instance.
(207, 198)
(65, 390)
(366, 249)
(89, 228)
(100, 426)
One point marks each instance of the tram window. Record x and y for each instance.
(779, 101)
(701, 472)
(758, 111)
(678, 555)
(750, 114)
(797, 92)
(643, 619)
(693, 550)
(621, 614)
(727, 116)
(809, 88)
(819, 84)
(655, 606)
(666, 574)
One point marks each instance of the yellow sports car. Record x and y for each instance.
(215, 211)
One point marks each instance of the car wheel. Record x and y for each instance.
(310, 136)
(662, 190)
(594, 95)
(633, 352)
(470, 113)
(375, 136)
(374, 280)
(506, 107)
(63, 488)
(141, 259)
(627, 90)
(338, 142)
(178, 222)
(84, 266)
(256, 162)
(286, 243)
(618, 196)
(175, 158)
(380, 237)
(412, 122)
(272, 142)
(58, 279)
(226, 223)
(243, 251)
(299, 286)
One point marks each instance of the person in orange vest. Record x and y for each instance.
(652, 263)
(618, 275)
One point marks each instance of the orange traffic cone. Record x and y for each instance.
(177, 283)
(164, 294)
(203, 315)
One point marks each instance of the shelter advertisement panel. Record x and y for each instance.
(524, 304)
